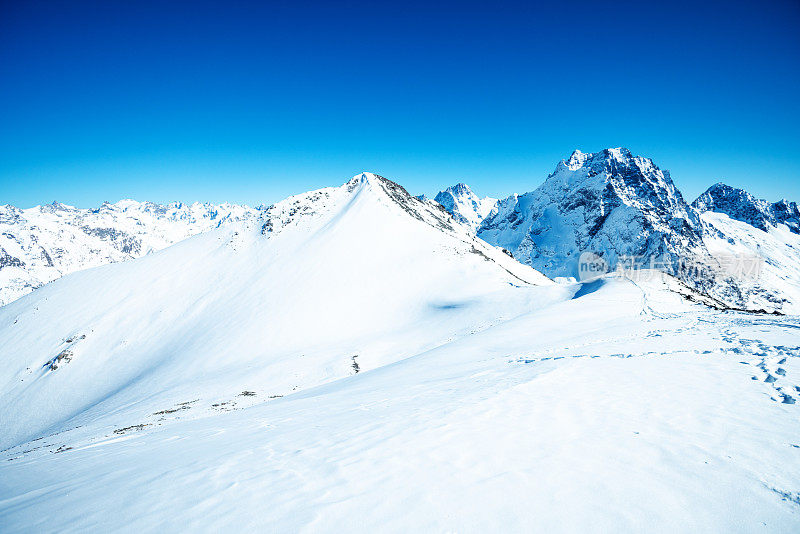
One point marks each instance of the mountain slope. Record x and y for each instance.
(325, 283)
(625, 409)
(41, 244)
(767, 261)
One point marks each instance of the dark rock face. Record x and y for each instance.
(740, 205)
(122, 241)
(7, 260)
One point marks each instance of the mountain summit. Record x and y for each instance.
(464, 205)
(609, 202)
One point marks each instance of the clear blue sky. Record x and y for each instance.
(250, 102)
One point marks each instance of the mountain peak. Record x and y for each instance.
(464, 205)
(610, 202)
(460, 188)
(579, 159)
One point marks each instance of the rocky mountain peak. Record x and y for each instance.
(464, 205)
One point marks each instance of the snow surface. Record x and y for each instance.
(355, 361)
(627, 409)
(777, 249)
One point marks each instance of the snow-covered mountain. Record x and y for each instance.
(738, 225)
(41, 244)
(623, 208)
(353, 359)
(464, 205)
(321, 283)
(740, 205)
(610, 202)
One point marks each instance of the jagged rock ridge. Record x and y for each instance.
(740, 205)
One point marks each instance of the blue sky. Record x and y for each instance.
(251, 102)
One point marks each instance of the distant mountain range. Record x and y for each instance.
(612, 204)
(41, 244)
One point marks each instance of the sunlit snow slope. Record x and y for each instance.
(775, 248)
(627, 408)
(328, 282)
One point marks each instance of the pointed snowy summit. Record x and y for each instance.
(464, 205)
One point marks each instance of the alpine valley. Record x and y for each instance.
(356, 358)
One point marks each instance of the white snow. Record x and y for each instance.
(624, 410)
(778, 252)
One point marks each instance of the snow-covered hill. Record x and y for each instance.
(464, 205)
(326, 282)
(41, 244)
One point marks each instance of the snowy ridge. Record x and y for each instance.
(740, 205)
(41, 244)
(611, 203)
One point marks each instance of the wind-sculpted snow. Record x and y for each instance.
(742, 206)
(41, 244)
